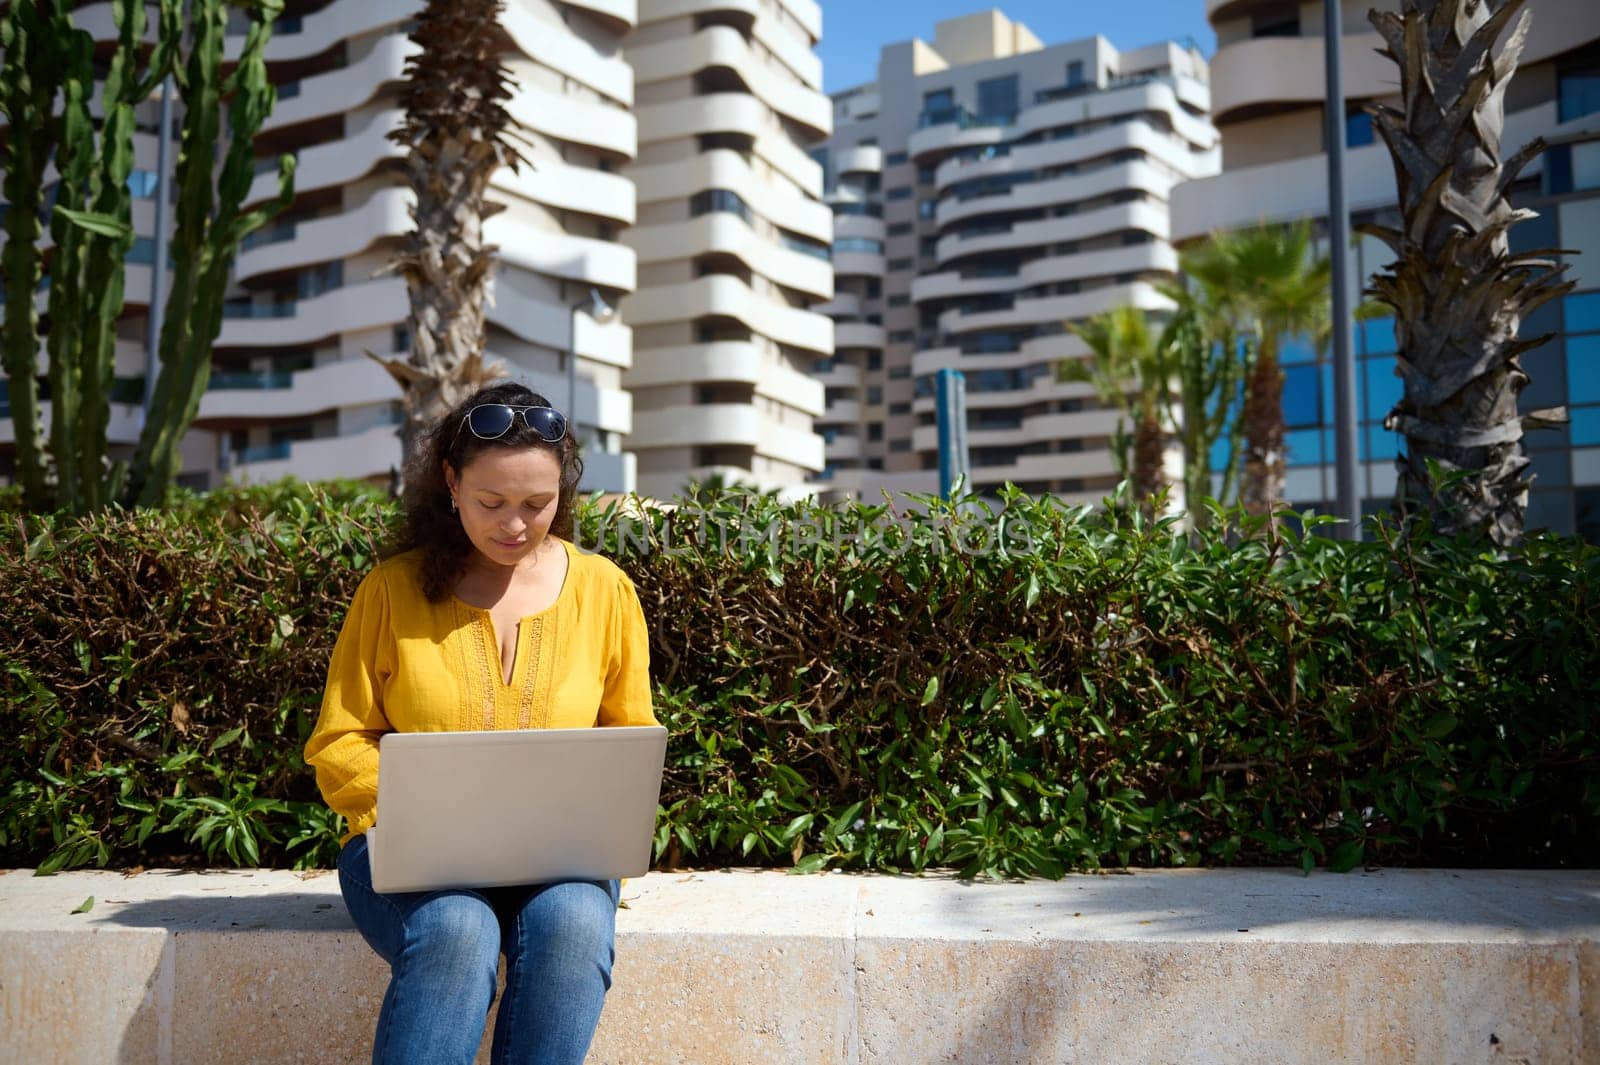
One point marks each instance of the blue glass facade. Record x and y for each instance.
(1564, 371)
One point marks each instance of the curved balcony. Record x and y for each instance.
(371, 453)
(624, 13)
(857, 335)
(724, 46)
(335, 163)
(537, 320)
(727, 360)
(1152, 92)
(858, 264)
(841, 412)
(842, 448)
(731, 112)
(842, 305)
(1068, 188)
(346, 383)
(341, 91)
(320, 30)
(1149, 217)
(859, 159)
(840, 374)
(571, 188)
(953, 136)
(726, 169)
(726, 424)
(727, 233)
(582, 259)
(1036, 309)
(859, 225)
(722, 295)
(1267, 73)
(568, 54)
(367, 305)
(575, 120)
(1125, 136)
(286, 246)
(793, 52)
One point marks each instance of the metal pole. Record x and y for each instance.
(1346, 434)
(158, 271)
(572, 370)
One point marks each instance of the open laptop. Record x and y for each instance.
(524, 806)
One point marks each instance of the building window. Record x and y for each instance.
(863, 244)
(925, 175)
(1357, 128)
(874, 360)
(1276, 24)
(899, 264)
(710, 200)
(1075, 72)
(938, 100)
(874, 394)
(927, 208)
(900, 336)
(903, 192)
(997, 99)
(1572, 167)
(900, 445)
(900, 300)
(928, 247)
(894, 158)
(875, 432)
(867, 142)
(897, 373)
(1578, 92)
(899, 408)
(899, 229)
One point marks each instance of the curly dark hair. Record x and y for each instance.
(429, 522)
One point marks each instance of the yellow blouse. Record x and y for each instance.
(404, 664)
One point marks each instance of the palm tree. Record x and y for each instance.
(1200, 349)
(1458, 294)
(1266, 285)
(1127, 372)
(457, 131)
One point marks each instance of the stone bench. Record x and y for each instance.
(1182, 966)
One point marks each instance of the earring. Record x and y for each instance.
(452, 504)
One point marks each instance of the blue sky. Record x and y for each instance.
(854, 30)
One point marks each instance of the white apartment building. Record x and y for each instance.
(732, 243)
(989, 190)
(292, 391)
(1268, 99)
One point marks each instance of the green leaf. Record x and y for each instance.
(811, 863)
(85, 906)
(930, 692)
(100, 224)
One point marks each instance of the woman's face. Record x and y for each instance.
(506, 499)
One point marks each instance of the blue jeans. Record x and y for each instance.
(443, 950)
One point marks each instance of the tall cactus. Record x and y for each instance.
(209, 228)
(91, 228)
(28, 83)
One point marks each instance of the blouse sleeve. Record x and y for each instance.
(343, 747)
(626, 699)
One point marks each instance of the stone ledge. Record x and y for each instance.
(1193, 966)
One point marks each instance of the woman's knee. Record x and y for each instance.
(577, 917)
(457, 929)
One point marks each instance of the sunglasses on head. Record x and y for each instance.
(490, 421)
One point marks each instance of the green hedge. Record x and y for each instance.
(1017, 689)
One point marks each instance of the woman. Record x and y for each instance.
(484, 616)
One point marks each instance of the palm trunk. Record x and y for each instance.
(455, 128)
(1459, 295)
(1148, 455)
(1263, 478)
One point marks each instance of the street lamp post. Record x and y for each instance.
(601, 312)
(1346, 437)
